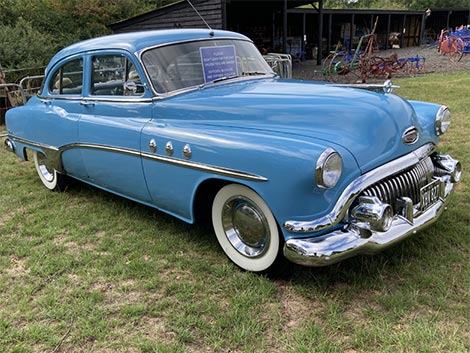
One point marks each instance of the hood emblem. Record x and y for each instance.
(410, 136)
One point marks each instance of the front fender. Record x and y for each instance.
(285, 165)
(426, 114)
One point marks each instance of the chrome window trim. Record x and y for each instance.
(355, 188)
(68, 98)
(54, 157)
(99, 99)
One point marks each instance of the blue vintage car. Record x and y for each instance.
(195, 123)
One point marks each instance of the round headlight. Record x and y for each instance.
(328, 169)
(443, 118)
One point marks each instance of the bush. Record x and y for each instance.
(22, 46)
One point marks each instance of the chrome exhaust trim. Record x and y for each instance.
(9, 145)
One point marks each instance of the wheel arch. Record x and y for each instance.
(204, 196)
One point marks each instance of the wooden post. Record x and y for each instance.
(284, 26)
(320, 32)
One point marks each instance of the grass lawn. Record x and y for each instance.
(85, 271)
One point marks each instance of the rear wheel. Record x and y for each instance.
(49, 176)
(245, 228)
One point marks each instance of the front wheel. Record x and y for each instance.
(245, 228)
(49, 176)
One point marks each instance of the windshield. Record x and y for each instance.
(183, 65)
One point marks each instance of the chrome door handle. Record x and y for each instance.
(87, 103)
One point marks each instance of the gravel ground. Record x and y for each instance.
(435, 62)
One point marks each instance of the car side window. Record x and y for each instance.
(115, 75)
(68, 79)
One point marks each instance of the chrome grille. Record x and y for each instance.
(405, 184)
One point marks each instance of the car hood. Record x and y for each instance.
(370, 125)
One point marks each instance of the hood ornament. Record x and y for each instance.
(386, 87)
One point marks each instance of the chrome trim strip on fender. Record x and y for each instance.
(54, 159)
(206, 167)
(355, 188)
(53, 153)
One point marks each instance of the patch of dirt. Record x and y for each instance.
(295, 308)
(4, 218)
(18, 268)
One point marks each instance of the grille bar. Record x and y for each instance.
(404, 184)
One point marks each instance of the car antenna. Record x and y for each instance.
(203, 20)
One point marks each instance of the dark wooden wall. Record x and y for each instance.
(178, 15)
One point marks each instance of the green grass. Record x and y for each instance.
(85, 271)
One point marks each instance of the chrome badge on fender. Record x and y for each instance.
(410, 136)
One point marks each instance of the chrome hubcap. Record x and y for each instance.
(245, 226)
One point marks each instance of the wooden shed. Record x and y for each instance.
(298, 26)
(266, 22)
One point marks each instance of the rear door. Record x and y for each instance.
(56, 121)
(116, 106)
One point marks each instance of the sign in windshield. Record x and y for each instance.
(218, 62)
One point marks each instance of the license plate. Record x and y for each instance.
(429, 195)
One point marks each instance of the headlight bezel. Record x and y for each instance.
(443, 120)
(328, 169)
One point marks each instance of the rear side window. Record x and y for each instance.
(68, 79)
(115, 75)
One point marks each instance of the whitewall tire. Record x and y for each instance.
(48, 176)
(245, 228)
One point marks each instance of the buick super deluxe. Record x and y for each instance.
(195, 123)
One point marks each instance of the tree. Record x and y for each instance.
(22, 46)
(32, 31)
(438, 4)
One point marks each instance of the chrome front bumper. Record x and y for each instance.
(362, 237)
(342, 244)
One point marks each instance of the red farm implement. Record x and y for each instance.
(455, 44)
(363, 65)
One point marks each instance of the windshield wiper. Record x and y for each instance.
(223, 78)
(253, 73)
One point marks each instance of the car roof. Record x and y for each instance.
(134, 42)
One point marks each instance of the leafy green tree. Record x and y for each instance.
(438, 4)
(22, 46)
(31, 31)
(71, 20)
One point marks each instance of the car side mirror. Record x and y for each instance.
(130, 88)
